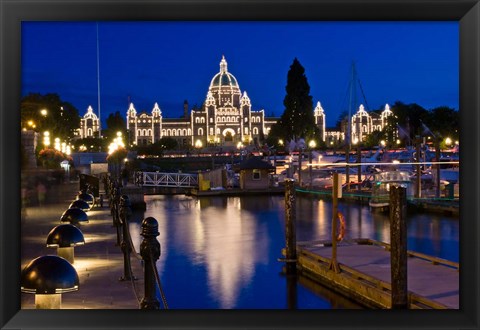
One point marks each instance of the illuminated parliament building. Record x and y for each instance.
(225, 119)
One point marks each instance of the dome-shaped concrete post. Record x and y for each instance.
(87, 198)
(65, 237)
(80, 204)
(74, 216)
(48, 277)
(150, 252)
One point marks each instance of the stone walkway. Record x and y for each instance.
(99, 263)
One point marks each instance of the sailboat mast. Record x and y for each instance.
(98, 88)
(349, 125)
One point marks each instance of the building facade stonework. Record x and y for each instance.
(225, 119)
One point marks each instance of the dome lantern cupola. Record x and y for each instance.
(223, 65)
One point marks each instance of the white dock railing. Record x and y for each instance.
(156, 179)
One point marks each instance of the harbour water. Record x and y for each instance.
(222, 253)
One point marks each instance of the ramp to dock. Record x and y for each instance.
(365, 276)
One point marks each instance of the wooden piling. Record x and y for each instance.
(359, 172)
(347, 167)
(334, 264)
(290, 219)
(437, 168)
(300, 158)
(418, 188)
(398, 242)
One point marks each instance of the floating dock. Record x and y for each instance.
(436, 205)
(365, 274)
(237, 192)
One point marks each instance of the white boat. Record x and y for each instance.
(380, 199)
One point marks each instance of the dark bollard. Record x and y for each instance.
(125, 213)
(115, 213)
(150, 252)
(290, 219)
(398, 251)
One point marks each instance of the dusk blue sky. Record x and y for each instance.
(169, 62)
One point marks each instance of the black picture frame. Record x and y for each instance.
(13, 12)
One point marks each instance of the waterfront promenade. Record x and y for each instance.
(99, 263)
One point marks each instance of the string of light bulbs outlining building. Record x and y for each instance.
(227, 118)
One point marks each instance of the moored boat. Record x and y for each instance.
(380, 199)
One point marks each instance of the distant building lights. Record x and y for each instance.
(46, 138)
(57, 144)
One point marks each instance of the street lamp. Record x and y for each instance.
(31, 124)
(198, 146)
(44, 112)
(46, 138)
(448, 141)
(57, 144)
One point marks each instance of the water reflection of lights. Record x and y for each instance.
(219, 235)
(322, 220)
(231, 264)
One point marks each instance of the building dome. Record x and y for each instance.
(90, 114)
(223, 78)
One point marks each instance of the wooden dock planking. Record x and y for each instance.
(365, 265)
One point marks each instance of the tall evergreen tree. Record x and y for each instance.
(297, 120)
(115, 123)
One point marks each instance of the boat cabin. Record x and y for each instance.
(380, 199)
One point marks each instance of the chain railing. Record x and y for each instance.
(120, 208)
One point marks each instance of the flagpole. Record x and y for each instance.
(98, 88)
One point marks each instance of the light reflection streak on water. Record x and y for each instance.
(231, 245)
